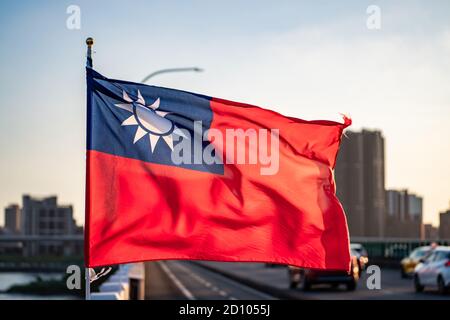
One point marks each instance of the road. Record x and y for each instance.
(392, 287)
(188, 280)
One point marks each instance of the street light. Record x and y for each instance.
(194, 69)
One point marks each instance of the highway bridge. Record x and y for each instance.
(214, 280)
(186, 280)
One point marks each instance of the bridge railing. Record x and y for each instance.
(40, 238)
(394, 249)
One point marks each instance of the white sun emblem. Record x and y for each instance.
(149, 120)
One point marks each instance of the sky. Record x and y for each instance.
(311, 60)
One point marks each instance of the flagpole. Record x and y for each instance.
(88, 284)
(89, 43)
(87, 277)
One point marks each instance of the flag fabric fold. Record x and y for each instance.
(178, 175)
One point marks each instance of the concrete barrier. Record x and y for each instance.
(127, 283)
(121, 288)
(105, 296)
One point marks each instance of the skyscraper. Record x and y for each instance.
(13, 218)
(349, 176)
(415, 208)
(430, 232)
(44, 217)
(359, 178)
(404, 214)
(444, 225)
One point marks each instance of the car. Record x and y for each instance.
(408, 264)
(361, 254)
(434, 271)
(305, 278)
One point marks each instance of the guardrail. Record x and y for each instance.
(32, 238)
(394, 249)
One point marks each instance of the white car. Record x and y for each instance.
(434, 271)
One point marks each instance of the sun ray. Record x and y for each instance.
(153, 141)
(140, 99)
(139, 134)
(126, 97)
(161, 113)
(131, 121)
(125, 106)
(169, 140)
(154, 105)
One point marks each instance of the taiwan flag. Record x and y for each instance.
(179, 175)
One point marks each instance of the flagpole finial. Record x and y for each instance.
(89, 43)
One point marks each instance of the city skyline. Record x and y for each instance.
(402, 218)
(327, 62)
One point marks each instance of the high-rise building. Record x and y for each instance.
(415, 208)
(394, 206)
(13, 218)
(403, 215)
(430, 232)
(44, 217)
(404, 206)
(349, 176)
(444, 225)
(360, 182)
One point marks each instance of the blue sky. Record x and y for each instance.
(306, 59)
